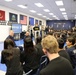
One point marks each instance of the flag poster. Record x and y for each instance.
(12, 17)
(31, 21)
(23, 19)
(2, 15)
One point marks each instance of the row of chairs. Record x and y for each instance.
(43, 63)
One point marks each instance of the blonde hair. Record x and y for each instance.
(50, 44)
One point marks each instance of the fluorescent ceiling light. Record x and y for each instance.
(8, 0)
(48, 18)
(62, 9)
(46, 10)
(39, 4)
(51, 14)
(54, 16)
(64, 13)
(39, 14)
(66, 18)
(22, 6)
(44, 16)
(33, 11)
(59, 3)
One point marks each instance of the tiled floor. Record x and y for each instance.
(2, 66)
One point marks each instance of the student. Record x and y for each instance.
(29, 57)
(71, 49)
(11, 58)
(57, 65)
(61, 51)
(38, 47)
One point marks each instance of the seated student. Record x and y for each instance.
(10, 56)
(57, 65)
(62, 52)
(11, 36)
(71, 49)
(29, 57)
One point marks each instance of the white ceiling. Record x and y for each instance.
(69, 5)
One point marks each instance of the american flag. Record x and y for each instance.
(23, 19)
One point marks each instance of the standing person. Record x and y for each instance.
(46, 29)
(27, 35)
(29, 57)
(38, 47)
(11, 58)
(57, 65)
(71, 49)
(31, 34)
(11, 36)
(61, 51)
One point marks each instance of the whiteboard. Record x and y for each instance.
(4, 32)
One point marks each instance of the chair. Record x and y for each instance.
(43, 62)
(28, 73)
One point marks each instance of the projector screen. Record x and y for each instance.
(17, 28)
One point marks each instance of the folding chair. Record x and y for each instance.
(43, 63)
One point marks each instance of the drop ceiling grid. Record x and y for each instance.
(69, 5)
